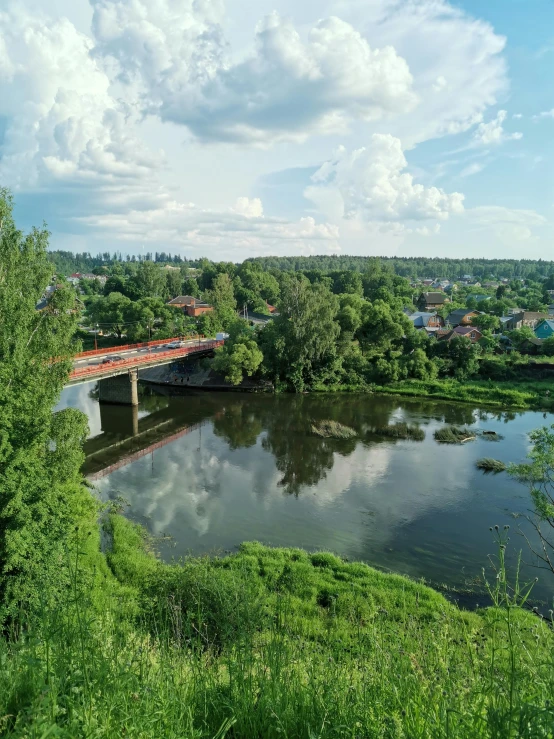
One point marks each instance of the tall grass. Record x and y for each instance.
(453, 435)
(278, 643)
(490, 465)
(525, 394)
(332, 430)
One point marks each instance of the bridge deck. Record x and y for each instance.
(103, 371)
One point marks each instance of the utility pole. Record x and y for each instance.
(96, 339)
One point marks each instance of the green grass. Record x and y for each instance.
(272, 643)
(502, 394)
(332, 430)
(491, 465)
(453, 435)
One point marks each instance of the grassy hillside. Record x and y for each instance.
(270, 643)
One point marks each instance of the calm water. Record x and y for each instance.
(231, 467)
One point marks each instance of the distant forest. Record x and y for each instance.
(417, 267)
(411, 267)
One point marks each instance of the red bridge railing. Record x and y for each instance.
(126, 347)
(99, 370)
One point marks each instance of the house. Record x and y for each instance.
(76, 277)
(551, 310)
(469, 332)
(529, 318)
(193, 307)
(198, 308)
(427, 283)
(461, 317)
(430, 301)
(429, 321)
(182, 301)
(271, 308)
(545, 329)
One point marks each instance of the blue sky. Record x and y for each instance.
(207, 128)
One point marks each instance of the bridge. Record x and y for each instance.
(116, 369)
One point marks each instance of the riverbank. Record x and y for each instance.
(537, 395)
(271, 643)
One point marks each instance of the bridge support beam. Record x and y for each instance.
(120, 390)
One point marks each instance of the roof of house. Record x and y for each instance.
(41, 305)
(421, 318)
(533, 316)
(183, 300)
(549, 321)
(464, 330)
(433, 298)
(532, 340)
(459, 314)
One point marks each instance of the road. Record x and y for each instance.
(98, 359)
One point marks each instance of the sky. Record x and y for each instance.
(231, 129)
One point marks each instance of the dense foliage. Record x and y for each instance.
(41, 499)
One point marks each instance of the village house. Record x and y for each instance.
(193, 307)
(526, 318)
(468, 332)
(431, 322)
(428, 302)
(545, 329)
(461, 317)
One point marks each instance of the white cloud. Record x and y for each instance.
(370, 184)
(517, 116)
(249, 208)
(472, 169)
(508, 224)
(492, 133)
(221, 234)
(544, 114)
(287, 89)
(62, 124)
(456, 62)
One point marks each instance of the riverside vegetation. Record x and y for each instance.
(109, 641)
(341, 323)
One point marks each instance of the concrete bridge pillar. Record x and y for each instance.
(121, 389)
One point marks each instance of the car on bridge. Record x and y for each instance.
(112, 360)
(175, 345)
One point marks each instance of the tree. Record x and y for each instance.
(240, 354)
(538, 475)
(520, 335)
(112, 312)
(485, 322)
(300, 344)
(41, 498)
(190, 287)
(222, 297)
(383, 327)
(548, 347)
(173, 282)
(149, 281)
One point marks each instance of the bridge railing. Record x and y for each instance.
(150, 359)
(126, 347)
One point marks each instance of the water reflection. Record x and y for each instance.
(242, 467)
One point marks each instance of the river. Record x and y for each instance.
(206, 471)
